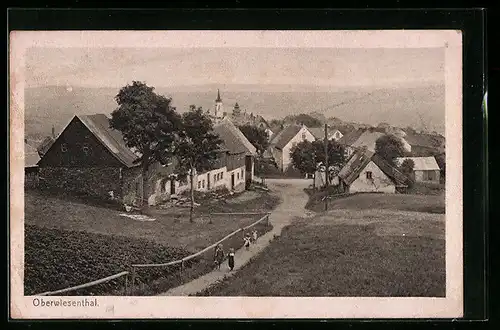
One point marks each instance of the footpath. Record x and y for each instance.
(293, 201)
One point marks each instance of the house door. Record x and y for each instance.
(172, 186)
(232, 181)
(208, 181)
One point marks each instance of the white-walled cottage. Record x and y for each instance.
(284, 141)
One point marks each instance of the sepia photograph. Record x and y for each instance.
(256, 174)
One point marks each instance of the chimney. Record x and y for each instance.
(53, 132)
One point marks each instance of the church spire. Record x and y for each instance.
(218, 96)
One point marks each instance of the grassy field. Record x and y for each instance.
(352, 250)
(170, 228)
(367, 201)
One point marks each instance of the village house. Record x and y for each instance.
(367, 172)
(425, 169)
(332, 133)
(90, 158)
(233, 169)
(31, 159)
(284, 141)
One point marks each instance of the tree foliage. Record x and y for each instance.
(306, 156)
(305, 119)
(407, 169)
(198, 147)
(148, 123)
(257, 136)
(389, 147)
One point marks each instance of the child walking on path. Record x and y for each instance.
(254, 236)
(247, 241)
(219, 256)
(230, 259)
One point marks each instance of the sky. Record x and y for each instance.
(170, 67)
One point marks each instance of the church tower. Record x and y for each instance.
(236, 110)
(218, 106)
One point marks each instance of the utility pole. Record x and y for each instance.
(327, 179)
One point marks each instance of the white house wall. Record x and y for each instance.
(380, 181)
(286, 154)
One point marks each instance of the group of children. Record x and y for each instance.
(219, 251)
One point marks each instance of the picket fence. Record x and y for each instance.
(130, 287)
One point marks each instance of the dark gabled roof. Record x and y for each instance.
(355, 165)
(230, 140)
(393, 173)
(362, 157)
(281, 139)
(112, 139)
(351, 137)
(31, 156)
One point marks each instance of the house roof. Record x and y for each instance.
(349, 138)
(423, 140)
(367, 139)
(230, 139)
(421, 163)
(282, 138)
(351, 170)
(31, 156)
(112, 139)
(319, 132)
(236, 132)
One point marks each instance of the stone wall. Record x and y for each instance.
(90, 181)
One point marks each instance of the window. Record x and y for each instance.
(199, 184)
(222, 175)
(215, 178)
(203, 184)
(242, 173)
(303, 135)
(64, 147)
(238, 175)
(369, 175)
(86, 149)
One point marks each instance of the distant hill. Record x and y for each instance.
(55, 105)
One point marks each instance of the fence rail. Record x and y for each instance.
(194, 255)
(132, 272)
(86, 285)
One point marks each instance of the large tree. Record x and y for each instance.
(336, 155)
(389, 147)
(257, 136)
(407, 169)
(306, 156)
(303, 158)
(198, 147)
(149, 124)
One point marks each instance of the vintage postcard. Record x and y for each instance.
(236, 174)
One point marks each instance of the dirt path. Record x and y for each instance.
(293, 201)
